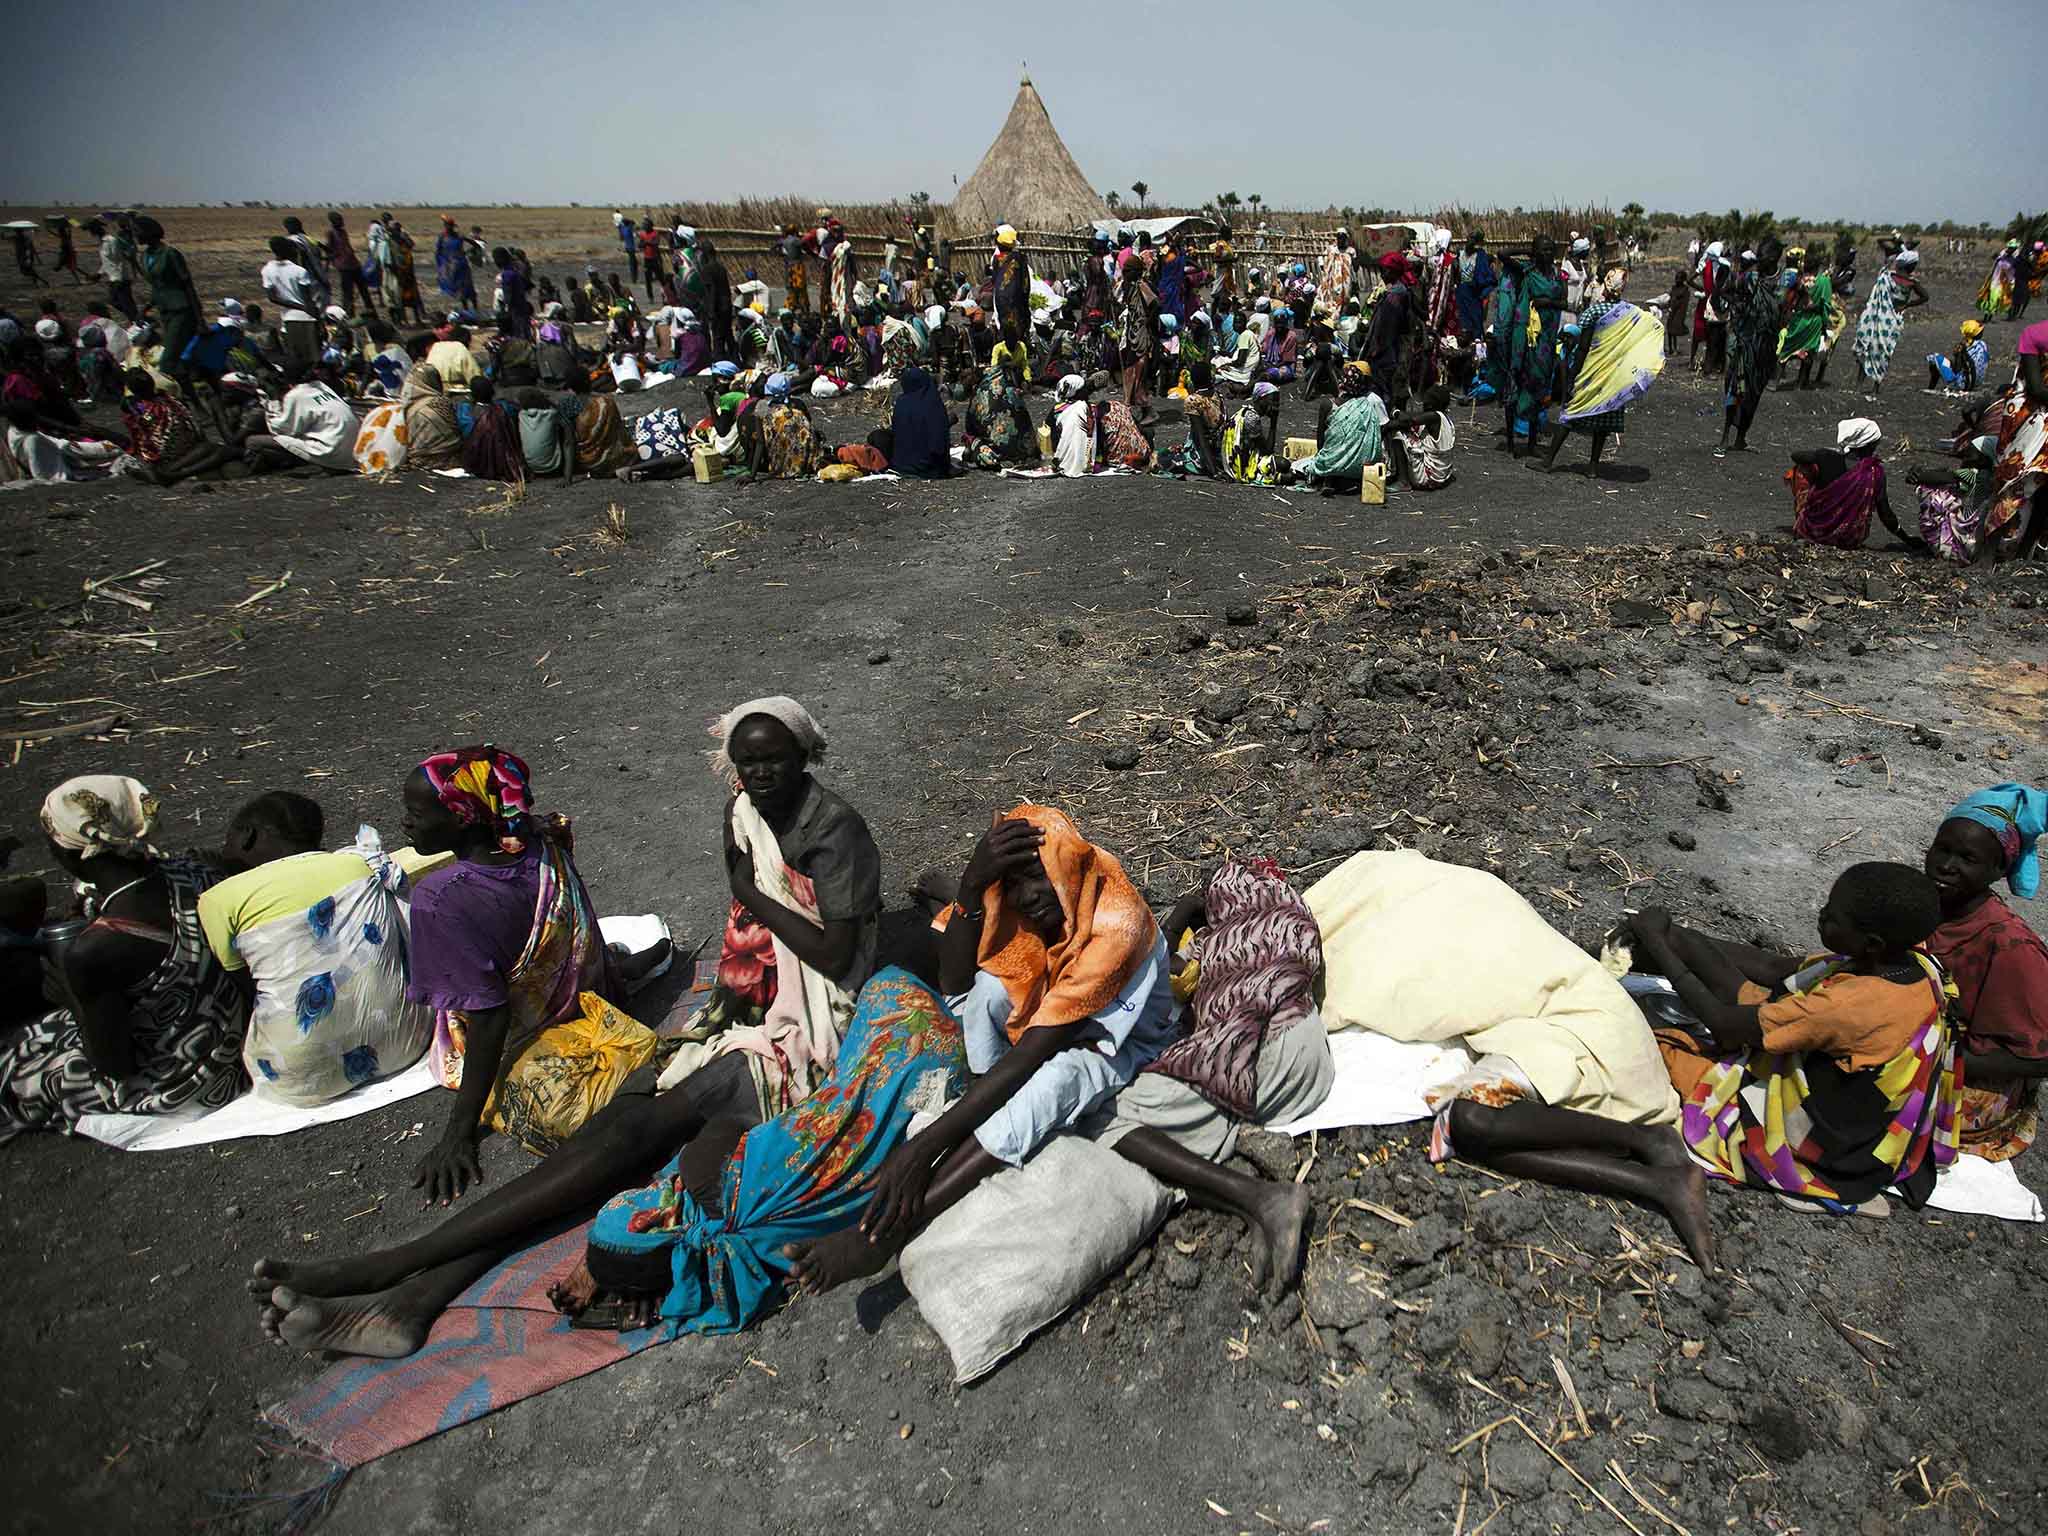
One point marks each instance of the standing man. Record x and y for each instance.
(173, 297)
(292, 289)
(623, 226)
(119, 266)
(649, 241)
(348, 268)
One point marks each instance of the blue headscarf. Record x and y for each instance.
(2017, 816)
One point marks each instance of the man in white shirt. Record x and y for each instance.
(120, 267)
(291, 288)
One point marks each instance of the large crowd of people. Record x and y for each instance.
(759, 1142)
(515, 374)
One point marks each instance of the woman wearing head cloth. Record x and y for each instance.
(1835, 490)
(151, 1023)
(1953, 502)
(920, 448)
(1896, 290)
(1997, 962)
(506, 951)
(805, 883)
(1806, 328)
(1996, 299)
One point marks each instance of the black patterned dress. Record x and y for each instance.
(188, 1017)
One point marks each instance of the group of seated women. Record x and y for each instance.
(762, 1136)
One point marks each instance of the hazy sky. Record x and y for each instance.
(1820, 109)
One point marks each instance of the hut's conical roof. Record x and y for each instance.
(1027, 178)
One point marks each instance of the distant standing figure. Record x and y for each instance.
(171, 293)
(1894, 291)
(118, 268)
(451, 265)
(348, 269)
(67, 248)
(25, 257)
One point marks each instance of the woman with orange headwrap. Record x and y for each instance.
(1058, 973)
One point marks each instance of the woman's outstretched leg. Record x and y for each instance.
(624, 1142)
(1276, 1215)
(1595, 1154)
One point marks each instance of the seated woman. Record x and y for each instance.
(322, 938)
(778, 440)
(451, 358)
(602, 444)
(1257, 1053)
(491, 451)
(1953, 502)
(44, 456)
(1966, 370)
(1566, 1086)
(163, 437)
(1252, 441)
(1121, 441)
(1059, 977)
(1998, 964)
(1829, 1078)
(506, 952)
(1835, 490)
(1277, 356)
(1073, 427)
(920, 432)
(999, 430)
(149, 1023)
(796, 852)
(547, 445)
(704, 1247)
(1349, 434)
(1419, 442)
(806, 882)
(1202, 452)
(433, 436)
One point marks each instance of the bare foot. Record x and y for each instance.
(832, 1261)
(1684, 1200)
(378, 1326)
(323, 1277)
(1279, 1236)
(573, 1292)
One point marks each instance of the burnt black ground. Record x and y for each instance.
(418, 616)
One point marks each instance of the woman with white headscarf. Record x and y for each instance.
(1835, 490)
(1074, 434)
(806, 881)
(150, 1023)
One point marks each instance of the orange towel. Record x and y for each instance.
(1109, 932)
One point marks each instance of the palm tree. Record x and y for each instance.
(1255, 200)
(1112, 199)
(1141, 189)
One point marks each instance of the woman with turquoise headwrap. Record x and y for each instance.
(1998, 963)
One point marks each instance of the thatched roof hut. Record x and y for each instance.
(1027, 178)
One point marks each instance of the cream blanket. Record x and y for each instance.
(1418, 950)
